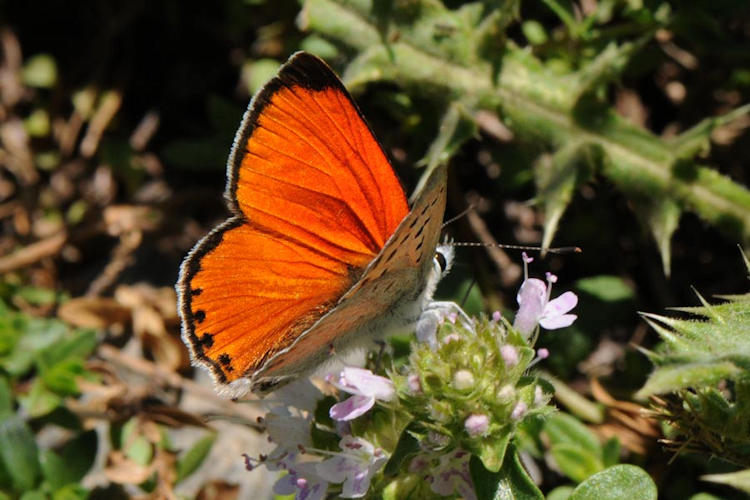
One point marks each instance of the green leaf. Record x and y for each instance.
(40, 71)
(195, 456)
(619, 482)
(565, 429)
(257, 73)
(661, 216)
(611, 452)
(575, 462)
(492, 450)
(534, 32)
(511, 482)
(70, 463)
(606, 288)
(37, 334)
(538, 104)
(62, 377)
(71, 492)
(6, 396)
(78, 345)
(33, 495)
(40, 400)
(560, 493)
(135, 446)
(557, 177)
(18, 452)
(37, 295)
(675, 377)
(455, 129)
(319, 46)
(407, 446)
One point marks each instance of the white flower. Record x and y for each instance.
(301, 480)
(452, 476)
(358, 461)
(288, 432)
(365, 386)
(535, 308)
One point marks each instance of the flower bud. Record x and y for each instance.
(477, 425)
(463, 380)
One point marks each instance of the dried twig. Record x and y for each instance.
(33, 253)
(160, 375)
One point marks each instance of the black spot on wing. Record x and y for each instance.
(199, 315)
(206, 341)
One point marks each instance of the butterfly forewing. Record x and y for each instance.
(314, 201)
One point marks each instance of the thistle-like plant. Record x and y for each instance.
(703, 369)
(462, 60)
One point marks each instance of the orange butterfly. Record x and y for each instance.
(322, 251)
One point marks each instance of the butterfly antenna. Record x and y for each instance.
(462, 214)
(555, 250)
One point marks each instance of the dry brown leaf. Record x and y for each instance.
(163, 299)
(627, 421)
(121, 219)
(218, 490)
(122, 470)
(95, 312)
(168, 352)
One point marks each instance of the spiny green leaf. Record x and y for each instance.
(537, 104)
(673, 378)
(607, 66)
(739, 479)
(454, 130)
(697, 140)
(661, 216)
(557, 177)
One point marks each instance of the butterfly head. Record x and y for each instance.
(443, 259)
(441, 265)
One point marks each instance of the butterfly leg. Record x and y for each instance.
(434, 314)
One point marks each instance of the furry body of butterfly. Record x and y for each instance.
(322, 252)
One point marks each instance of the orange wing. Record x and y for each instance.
(314, 198)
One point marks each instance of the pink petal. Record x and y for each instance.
(558, 321)
(366, 383)
(561, 304)
(351, 408)
(335, 469)
(531, 300)
(509, 355)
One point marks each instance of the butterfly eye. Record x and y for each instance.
(440, 258)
